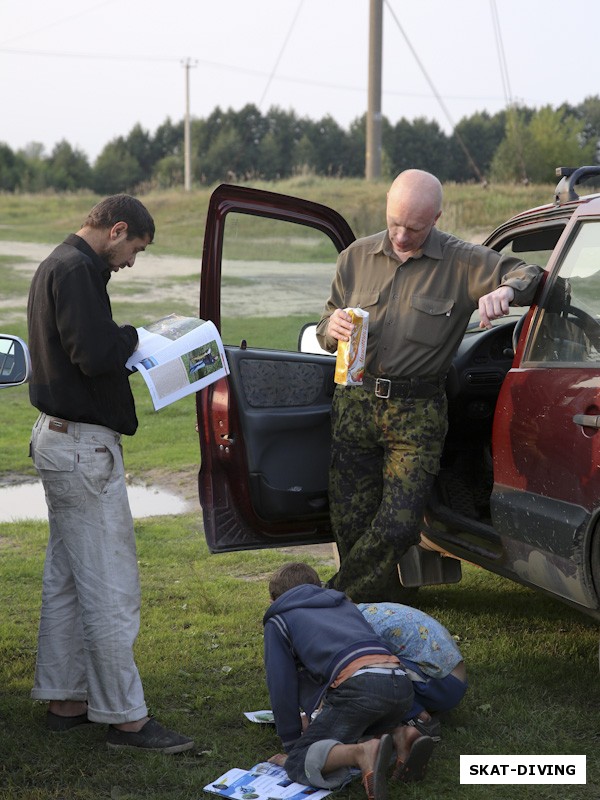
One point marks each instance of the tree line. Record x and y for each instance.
(516, 144)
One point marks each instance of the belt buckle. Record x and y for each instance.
(58, 425)
(380, 389)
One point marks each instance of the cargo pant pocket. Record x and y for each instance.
(56, 468)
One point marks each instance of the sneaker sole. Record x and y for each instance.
(175, 748)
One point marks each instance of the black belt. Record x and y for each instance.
(392, 388)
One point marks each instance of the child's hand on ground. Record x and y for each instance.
(278, 758)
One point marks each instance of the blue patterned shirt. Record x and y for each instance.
(414, 635)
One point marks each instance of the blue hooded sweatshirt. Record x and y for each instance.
(311, 635)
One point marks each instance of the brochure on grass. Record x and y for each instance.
(264, 781)
(177, 356)
(265, 716)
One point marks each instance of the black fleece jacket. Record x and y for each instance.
(78, 352)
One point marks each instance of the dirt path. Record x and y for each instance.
(251, 288)
(146, 282)
(154, 267)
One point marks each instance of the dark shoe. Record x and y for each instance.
(415, 766)
(375, 781)
(431, 727)
(151, 737)
(58, 724)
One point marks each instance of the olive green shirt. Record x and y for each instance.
(419, 310)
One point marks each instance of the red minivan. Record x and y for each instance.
(519, 488)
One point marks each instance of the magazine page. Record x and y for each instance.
(264, 781)
(265, 716)
(178, 356)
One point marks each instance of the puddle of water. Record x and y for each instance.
(27, 501)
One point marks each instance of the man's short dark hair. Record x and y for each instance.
(291, 575)
(122, 208)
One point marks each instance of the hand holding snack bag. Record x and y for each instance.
(350, 361)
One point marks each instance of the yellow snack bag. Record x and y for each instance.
(350, 360)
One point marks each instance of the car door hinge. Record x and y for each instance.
(226, 441)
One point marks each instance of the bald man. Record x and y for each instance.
(420, 287)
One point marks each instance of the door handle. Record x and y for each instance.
(587, 420)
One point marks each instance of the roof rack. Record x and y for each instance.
(569, 178)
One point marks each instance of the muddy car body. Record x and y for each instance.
(519, 487)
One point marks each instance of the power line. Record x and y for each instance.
(142, 59)
(278, 59)
(436, 94)
(56, 22)
(90, 56)
(501, 53)
(511, 110)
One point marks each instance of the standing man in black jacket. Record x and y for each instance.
(91, 593)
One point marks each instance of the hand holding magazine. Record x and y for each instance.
(177, 356)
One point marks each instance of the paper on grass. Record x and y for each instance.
(178, 356)
(265, 716)
(264, 781)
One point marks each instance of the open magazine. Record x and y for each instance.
(264, 781)
(177, 356)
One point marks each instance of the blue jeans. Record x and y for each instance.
(367, 704)
(434, 695)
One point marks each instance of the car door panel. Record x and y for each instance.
(265, 429)
(284, 404)
(263, 479)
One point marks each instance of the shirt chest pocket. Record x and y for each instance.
(429, 319)
(361, 299)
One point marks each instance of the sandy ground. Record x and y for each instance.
(251, 288)
(153, 266)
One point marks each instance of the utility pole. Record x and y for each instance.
(187, 148)
(373, 151)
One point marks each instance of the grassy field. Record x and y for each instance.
(532, 668)
(469, 210)
(532, 662)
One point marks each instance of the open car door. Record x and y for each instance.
(267, 266)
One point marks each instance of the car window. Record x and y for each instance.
(568, 330)
(276, 277)
(533, 247)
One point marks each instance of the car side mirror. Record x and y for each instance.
(308, 342)
(15, 363)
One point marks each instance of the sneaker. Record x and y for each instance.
(415, 766)
(58, 724)
(152, 736)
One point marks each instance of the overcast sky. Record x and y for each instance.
(89, 70)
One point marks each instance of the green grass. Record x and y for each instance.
(180, 217)
(532, 667)
(264, 331)
(532, 662)
(11, 280)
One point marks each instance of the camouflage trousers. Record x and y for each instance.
(385, 454)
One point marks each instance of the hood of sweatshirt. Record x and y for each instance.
(305, 596)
